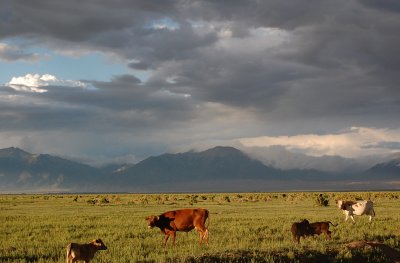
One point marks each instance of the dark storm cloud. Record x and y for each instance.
(76, 20)
(119, 104)
(300, 66)
(30, 111)
(388, 6)
(139, 65)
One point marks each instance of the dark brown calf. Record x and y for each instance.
(301, 229)
(322, 227)
(181, 220)
(84, 252)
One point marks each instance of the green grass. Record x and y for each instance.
(253, 227)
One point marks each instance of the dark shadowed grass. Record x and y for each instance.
(252, 227)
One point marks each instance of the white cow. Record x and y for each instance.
(358, 208)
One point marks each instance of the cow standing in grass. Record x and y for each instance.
(322, 228)
(84, 252)
(362, 207)
(301, 229)
(305, 228)
(181, 220)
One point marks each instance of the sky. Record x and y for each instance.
(119, 81)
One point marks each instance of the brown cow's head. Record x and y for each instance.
(98, 243)
(152, 221)
(305, 222)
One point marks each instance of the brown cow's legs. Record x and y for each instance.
(328, 234)
(173, 237)
(200, 237)
(166, 239)
(203, 235)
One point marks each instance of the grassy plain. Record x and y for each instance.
(245, 227)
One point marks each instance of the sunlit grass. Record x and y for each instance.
(243, 227)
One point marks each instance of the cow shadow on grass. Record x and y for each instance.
(309, 256)
(380, 238)
(28, 258)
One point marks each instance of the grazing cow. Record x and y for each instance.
(301, 229)
(181, 220)
(362, 207)
(322, 227)
(84, 252)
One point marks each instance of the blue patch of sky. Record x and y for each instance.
(92, 66)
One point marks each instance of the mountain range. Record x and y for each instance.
(219, 169)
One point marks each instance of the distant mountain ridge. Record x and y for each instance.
(219, 162)
(386, 170)
(25, 171)
(216, 169)
(13, 152)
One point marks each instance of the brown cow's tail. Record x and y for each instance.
(332, 223)
(208, 217)
(208, 224)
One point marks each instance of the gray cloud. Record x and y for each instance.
(122, 103)
(13, 53)
(289, 67)
(384, 145)
(279, 157)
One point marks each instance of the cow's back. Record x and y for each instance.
(363, 207)
(78, 251)
(320, 227)
(187, 219)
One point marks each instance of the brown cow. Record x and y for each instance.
(301, 229)
(181, 220)
(84, 252)
(322, 227)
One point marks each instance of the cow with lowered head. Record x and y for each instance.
(181, 220)
(319, 228)
(305, 228)
(301, 229)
